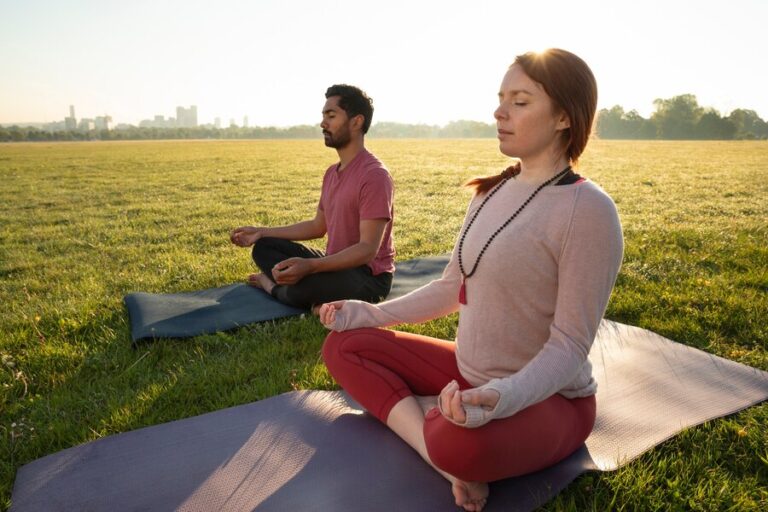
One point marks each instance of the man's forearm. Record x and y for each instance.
(306, 230)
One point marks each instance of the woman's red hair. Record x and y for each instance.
(571, 86)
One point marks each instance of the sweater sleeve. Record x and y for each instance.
(588, 265)
(433, 300)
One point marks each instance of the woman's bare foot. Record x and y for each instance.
(261, 281)
(470, 495)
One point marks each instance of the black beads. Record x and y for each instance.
(501, 228)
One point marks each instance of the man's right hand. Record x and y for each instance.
(246, 236)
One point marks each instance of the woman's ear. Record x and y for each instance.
(563, 121)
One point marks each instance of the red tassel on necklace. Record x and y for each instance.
(463, 291)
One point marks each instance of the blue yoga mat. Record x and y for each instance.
(181, 315)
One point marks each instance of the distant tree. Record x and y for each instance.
(748, 124)
(639, 127)
(389, 130)
(468, 130)
(676, 117)
(18, 134)
(610, 122)
(711, 126)
(614, 123)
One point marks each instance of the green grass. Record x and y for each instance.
(83, 224)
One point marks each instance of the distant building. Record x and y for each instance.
(232, 123)
(245, 121)
(86, 125)
(186, 117)
(103, 122)
(158, 122)
(56, 126)
(217, 122)
(70, 123)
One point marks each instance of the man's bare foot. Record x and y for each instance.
(261, 281)
(471, 495)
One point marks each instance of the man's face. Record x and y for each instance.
(335, 124)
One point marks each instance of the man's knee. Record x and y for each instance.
(263, 244)
(298, 295)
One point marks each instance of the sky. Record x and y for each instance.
(422, 61)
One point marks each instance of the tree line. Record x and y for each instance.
(677, 118)
(455, 129)
(680, 118)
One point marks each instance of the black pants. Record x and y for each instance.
(352, 283)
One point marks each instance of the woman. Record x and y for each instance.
(530, 274)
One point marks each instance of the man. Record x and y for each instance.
(355, 210)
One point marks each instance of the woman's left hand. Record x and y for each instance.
(452, 401)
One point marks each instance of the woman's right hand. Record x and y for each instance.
(327, 313)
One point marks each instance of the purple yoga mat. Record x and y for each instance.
(316, 451)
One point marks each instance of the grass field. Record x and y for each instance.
(82, 224)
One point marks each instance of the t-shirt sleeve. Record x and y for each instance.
(376, 195)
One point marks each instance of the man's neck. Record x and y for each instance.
(349, 152)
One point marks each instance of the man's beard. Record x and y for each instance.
(341, 140)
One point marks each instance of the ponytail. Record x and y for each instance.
(483, 185)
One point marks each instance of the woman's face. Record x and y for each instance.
(526, 122)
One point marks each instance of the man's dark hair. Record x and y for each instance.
(353, 101)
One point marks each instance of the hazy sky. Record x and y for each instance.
(421, 60)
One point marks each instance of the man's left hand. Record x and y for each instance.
(292, 270)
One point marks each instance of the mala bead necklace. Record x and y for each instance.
(507, 174)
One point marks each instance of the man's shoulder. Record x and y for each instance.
(374, 168)
(369, 160)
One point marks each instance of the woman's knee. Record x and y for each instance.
(340, 346)
(332, 348)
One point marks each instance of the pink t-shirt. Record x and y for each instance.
(363, 190)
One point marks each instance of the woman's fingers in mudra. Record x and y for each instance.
(486, 398)
(327, 313)
(450, 402)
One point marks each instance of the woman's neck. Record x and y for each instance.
(536, 171)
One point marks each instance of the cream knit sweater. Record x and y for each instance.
(535, 301)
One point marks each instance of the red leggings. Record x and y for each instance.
(378, 368)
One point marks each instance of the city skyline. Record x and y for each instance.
(423, 63)
(186, 117)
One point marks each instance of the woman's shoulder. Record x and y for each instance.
(590, 194)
